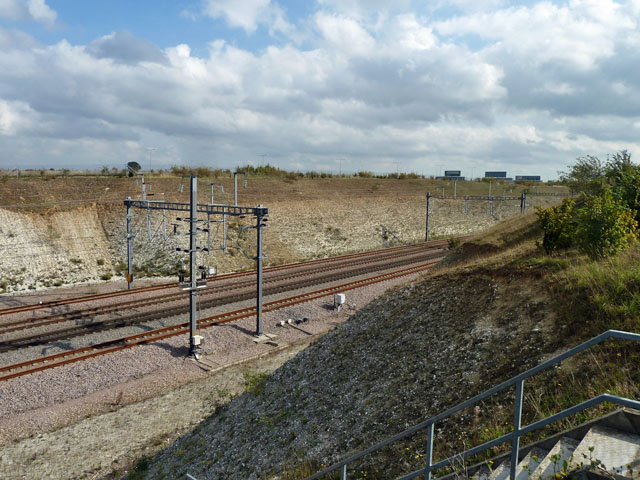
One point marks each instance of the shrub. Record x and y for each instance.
(604, 226)
(100, 261)
(453, 243)
(558, 225)
(586, 176)
(106, 276)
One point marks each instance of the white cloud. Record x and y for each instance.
(245, 14)
(41, 12)
(35, 10)
(8, 119)
(344, 34)
(249, 14)
(12, 9)
(497, 86)
(362, 9)
(581, 33)
(412, 34)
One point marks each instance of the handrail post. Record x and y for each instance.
(343, 472)
(515, 441)
(429, 453)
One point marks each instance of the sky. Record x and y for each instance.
(326, 85)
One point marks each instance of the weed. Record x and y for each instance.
(254, 382)
(100, 261)
(106, 276)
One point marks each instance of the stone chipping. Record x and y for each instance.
(406, 356)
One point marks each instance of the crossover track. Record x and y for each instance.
(124, 293)
(71, 356)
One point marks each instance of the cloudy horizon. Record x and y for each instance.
(525, 87)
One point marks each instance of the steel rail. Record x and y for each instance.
(137, 318)
(212, 290)
(63, 358)
(101, 296)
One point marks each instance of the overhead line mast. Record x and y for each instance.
(193, 207)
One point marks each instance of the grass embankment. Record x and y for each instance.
(589, 296)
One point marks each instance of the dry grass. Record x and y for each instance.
(35, 192)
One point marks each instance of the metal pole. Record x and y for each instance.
(343, 472)
(454, 188)
(259, 227)
(489, 188)
(442, 192)
(426, 235)
(524, 203)
(193, 229)
(148, 223)
(224, 229)
(129, 247)
(235, 188)
(209, 231)
(164, 226)
(429, 453)
(515, 441)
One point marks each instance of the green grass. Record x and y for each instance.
(594, 296)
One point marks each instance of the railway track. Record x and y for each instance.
(267, 270)
(51, 361)
(217, 288)
(287, 282)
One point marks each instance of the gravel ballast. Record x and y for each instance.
(102, 413)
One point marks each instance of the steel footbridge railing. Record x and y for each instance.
(518, 429)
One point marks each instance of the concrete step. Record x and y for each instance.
(501, 472)
(617, 432)
(527, 465)
(609, 450)
(530, 463)
(554, 460)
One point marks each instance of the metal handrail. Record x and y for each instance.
(513, 436)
